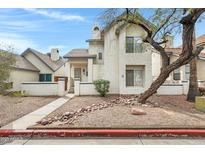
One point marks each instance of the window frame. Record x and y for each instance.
(187, 73)
(134, 44)
(175, 73)
(44, 77)
(100, 56)
(135, 69)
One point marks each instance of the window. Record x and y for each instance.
(134, 45)
(176, 74)
(100, 55)
(187, 71)
(134, 76)
(45, 77)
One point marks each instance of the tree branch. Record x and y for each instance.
(164, 23)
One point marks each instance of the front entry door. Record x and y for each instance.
(77, 73)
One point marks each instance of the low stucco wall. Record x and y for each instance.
(84, 88)
(43, 88)
(173, 89)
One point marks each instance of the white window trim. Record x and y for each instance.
(137, 40)
(136, 68)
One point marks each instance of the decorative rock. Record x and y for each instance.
(66, 114)
(156, 105)
(136, 111)
(44, 122)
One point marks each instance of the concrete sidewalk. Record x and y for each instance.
(110, 141)
(31, 118)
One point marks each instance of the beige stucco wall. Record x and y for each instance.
(111, 59)
(156, 64)
(116, 59)
(201, 69)
(18, 76)
(40, 88)
(98, 72)
(95, 48)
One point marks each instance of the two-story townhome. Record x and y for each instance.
(116, 53)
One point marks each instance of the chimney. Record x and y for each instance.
(96, 32)
(55, 54)
(170, 41)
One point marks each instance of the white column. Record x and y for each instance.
(61, 87)
(77, 88)
(90, 70)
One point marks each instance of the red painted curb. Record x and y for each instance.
(103, 133)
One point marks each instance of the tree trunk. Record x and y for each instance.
(154, 86)
(193, 83)
(185, 57)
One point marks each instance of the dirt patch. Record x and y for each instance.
(173, 111)
(12, 108)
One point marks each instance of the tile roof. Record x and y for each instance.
(199, 40)
(22, 63)
(178, 51)
(53, 65)
(79, 53)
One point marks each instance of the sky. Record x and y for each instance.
(43, 29)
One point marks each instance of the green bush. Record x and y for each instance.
(102, 86)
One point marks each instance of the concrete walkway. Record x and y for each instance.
(31, 118)
(108, 141)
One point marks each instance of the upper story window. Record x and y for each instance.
(100, 55)
(134, 45)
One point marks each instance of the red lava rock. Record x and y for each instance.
(136, 111)
(44, 122)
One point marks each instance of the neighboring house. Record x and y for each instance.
(22, 71)
(33, 66)
(183, 73)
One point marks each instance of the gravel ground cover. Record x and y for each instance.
(12, 108)
(115, 112)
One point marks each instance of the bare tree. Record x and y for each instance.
(166, 21)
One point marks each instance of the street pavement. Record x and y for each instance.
(103, 141)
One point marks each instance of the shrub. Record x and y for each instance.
(18, 94)
(102, 86)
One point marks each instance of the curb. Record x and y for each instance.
(104, 133)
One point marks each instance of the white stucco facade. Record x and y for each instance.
(112, 66)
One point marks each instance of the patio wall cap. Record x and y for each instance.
(39, 83)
